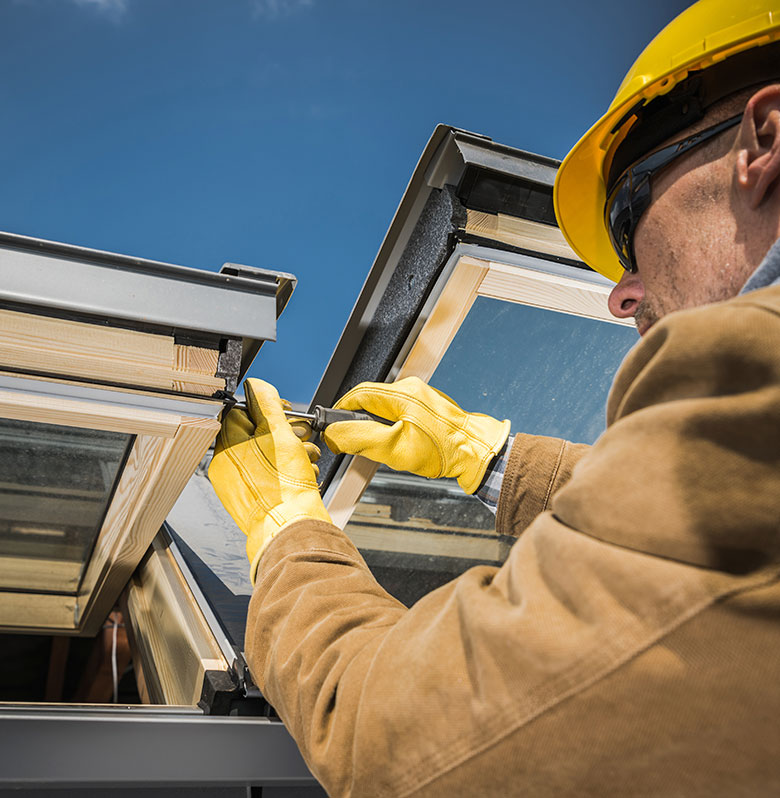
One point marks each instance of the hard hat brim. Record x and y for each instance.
(579, 196)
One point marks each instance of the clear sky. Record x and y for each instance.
(281, 133)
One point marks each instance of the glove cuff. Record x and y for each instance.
(261, 534)
(492, 435)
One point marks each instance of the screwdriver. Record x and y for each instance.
(321, 417)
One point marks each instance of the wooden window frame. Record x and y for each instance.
(174, 651)
(170, 441)
(565, 290)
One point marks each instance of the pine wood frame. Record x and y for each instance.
(74, 349)
(172, 651)
(471, 278)
(167, 448)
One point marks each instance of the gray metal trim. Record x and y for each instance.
(195, 408)
(508, 160)
(137, 746)
(75, 279)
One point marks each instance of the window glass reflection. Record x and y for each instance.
(548, 372)
(55, 486)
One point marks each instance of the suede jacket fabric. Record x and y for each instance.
(629, 646)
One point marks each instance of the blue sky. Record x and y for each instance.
(281, 133)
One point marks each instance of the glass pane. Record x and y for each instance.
(55, 486)
(550, 374)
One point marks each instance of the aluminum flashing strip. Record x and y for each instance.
(456, 149)
(78, 280)
(136, 746)
(507, 160)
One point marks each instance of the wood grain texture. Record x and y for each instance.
(141, 679)
(55, 345)
(118, 552)
(167, 449)
(542, 290)
(90, 415)
(445, 319)
(97, 352)
(388, 537)
(134, 483)
(434, 338)
(521, 233)
(34, 572)
(36, 612)
(194, 369)
(195, 359)
(171, 641)
(137, 476)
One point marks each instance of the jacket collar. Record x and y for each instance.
(767, 273)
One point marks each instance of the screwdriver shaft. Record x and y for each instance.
(323, 416)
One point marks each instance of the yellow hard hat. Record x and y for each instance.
(712, 49)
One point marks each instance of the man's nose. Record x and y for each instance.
(626, 295)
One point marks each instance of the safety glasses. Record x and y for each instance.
(630, 196)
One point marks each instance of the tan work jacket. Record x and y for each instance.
(629, 646)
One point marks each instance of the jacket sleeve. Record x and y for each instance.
(537, 469)
(384, 700)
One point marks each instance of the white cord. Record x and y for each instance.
(113, 665)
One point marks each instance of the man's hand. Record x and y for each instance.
(431, 435)
(262, 472)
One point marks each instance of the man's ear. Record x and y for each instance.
(758, 145)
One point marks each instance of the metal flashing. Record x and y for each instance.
(457, 149)
(239, 302)
(506, 160)
(143, 746)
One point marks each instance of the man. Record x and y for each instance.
(630, 644)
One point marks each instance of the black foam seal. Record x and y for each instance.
(229, 363)
(418, 268)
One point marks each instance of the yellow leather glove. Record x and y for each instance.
(262, 471)
(431, 435)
